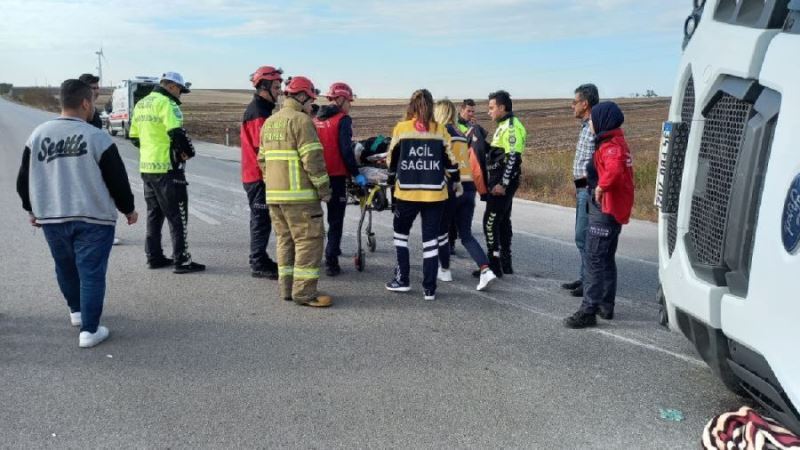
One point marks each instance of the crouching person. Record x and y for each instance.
(72, 182)
(296, 181)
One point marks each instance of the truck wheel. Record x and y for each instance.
(663, 317)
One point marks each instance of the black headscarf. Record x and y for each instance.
(606, 116)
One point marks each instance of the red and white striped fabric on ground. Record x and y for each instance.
(745, 429)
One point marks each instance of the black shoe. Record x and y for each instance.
(508, 269)
(495, 266)
(158, 263)
(574, 285)
(268, 274)
(189, 268)
(270, 266)
(606, 314)
(577, 292)
(580, 320)
(332, 269)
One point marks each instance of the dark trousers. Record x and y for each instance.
(260, 226)
(404, 214)
(336, 209)
(167, 198)
(600, 276)
(448, 216)
(497, 222)
(80, 251)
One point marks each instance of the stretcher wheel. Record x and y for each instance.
(359, 260)
(371, 243)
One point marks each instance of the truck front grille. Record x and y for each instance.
(678, 159)
(719, 151)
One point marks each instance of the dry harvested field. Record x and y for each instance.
(552, 132)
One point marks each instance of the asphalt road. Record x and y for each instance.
(217, 360)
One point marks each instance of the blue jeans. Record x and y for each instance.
(581, 224)
(464, 212)
(80, 251)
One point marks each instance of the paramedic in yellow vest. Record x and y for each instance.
(296, 182)
(164, 148)
(503, 169)
(421, 167)
(459, 209)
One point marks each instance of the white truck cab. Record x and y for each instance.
(124, 98)
(728, 192)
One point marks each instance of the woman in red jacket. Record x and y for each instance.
(610, 179)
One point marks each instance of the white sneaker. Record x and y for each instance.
(444, 275)
(487, 276)
(86, 339)
(75, 318)
(117, 241)
(429, 296)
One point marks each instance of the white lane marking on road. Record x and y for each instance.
(610, 334)
(193, 210)
(571, 244)
(529, 308)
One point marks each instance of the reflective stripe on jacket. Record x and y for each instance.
(291, 157)
(153, 117)
(420, 160)
(504, 159)
(460, 149)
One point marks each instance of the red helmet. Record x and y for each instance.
(266, 73)
(340, 89)
(296, 85)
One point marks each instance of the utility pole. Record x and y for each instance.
(100, 57)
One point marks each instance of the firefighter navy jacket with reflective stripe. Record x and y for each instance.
(504, 158)
(291, 157)
(420, 159)
(256, 113)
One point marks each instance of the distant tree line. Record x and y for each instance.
(5, 88)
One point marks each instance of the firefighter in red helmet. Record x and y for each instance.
(267, 83)
(296, 181)
(335, 130)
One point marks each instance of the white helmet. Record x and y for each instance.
(176, 78)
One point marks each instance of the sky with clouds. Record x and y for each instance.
(463, 48)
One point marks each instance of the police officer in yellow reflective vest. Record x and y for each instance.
(164, 147)
(504, 168)
(296, 181)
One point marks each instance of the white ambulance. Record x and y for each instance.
(125, 96)
(729, 198)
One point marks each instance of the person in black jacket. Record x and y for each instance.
(94, 82)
